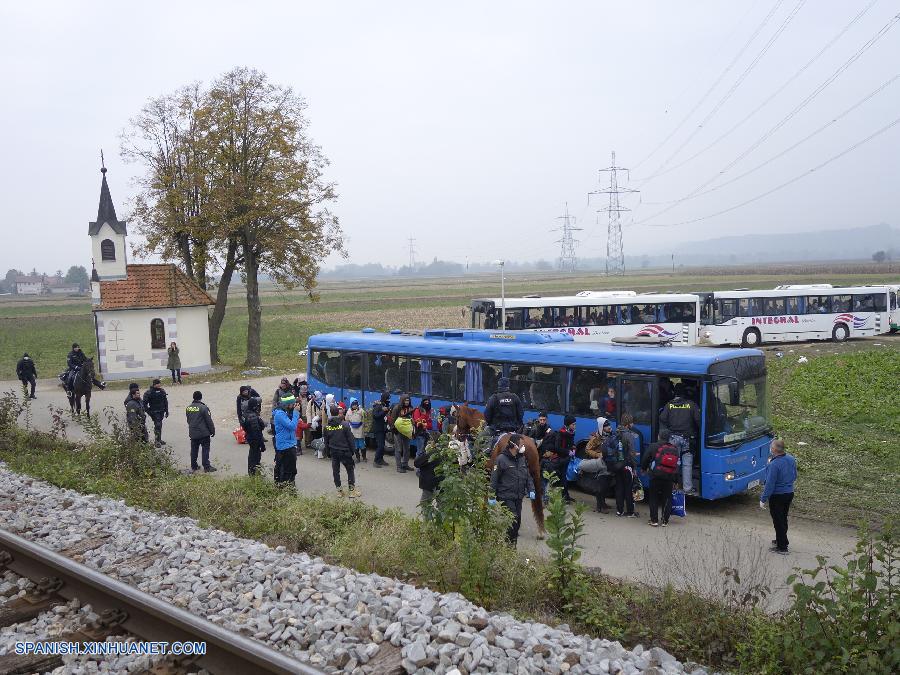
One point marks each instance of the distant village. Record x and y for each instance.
(75, 282)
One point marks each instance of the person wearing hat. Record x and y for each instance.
(27, 374)
(136, 417)
(594, 466)
(201, 429)
(340, 445)
(245, 394)
(254, 426)
(156, 403)
(285, 419)
(74, 360)
(504, 412)
(557, 449)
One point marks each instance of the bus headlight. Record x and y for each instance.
(707, 335)
(729, 475)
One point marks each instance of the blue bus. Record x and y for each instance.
(553, 373)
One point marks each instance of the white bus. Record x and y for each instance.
(793, 314)
(595, 316)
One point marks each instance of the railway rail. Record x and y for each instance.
(123, 608)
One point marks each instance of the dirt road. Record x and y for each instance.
(728, 532)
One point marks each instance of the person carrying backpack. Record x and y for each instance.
(253, 426)
(620, 460)
(661, 459)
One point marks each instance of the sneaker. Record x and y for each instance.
(33, 397)
(210, 469)
(780, 551)
(103, 385)
(355, 493)
(652, 524)
(379, 462)
(665, 523)
(401, 469)
(631, 515)
(340, 492)
(619, 514)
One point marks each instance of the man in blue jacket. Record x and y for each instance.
(286, 418)
(781, 473)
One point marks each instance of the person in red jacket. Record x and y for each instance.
(423, 425)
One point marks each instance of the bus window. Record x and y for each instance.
(643, 314)
(592, 392)
(490, 377)
(749, 306)
(818, 304)
(870, 302)
(544, 387)
(792, 305)
(893, 300)
(326, 367)
(533, 317)
(592, 316)
(773, 306)
(619, 315)
(637, 399)
(564, 317)
(841, 303)
(727, 310)
(387, 372)
(352, 372)
(444, 383)
(515, 319)
(677, 312)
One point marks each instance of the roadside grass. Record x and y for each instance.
(47, 340)
(840, 416)
(368, 539)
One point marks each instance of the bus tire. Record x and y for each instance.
(840, 333)
(752, 338)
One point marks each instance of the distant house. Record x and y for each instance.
(140, 309)
(33, 284)
(41, 284)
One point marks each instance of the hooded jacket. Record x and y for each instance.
(285, 428)
(242, 402)
(380, 411)
(511, 478)
(136, 418)
(426, 462)
(199, 420)
(355, 419)
(339, 440)
(280, 393)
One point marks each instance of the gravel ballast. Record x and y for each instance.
(329, 616)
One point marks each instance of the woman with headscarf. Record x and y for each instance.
(355, 417)
(423, 425)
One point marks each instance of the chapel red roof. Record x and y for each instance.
(148, 286)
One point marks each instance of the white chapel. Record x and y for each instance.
(140, 309)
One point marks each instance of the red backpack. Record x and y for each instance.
(665, 464)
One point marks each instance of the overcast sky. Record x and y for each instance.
(469, 125)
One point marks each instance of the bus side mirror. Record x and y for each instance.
(734, 393)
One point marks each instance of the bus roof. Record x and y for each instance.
(805, 292)
(553, 349)
(590, 300)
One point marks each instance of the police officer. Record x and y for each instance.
(74, 360)
(681, 416)
(200, 430)
(504, 412)
(156, 403)
(511, 481)
(135, 417)
(27, 373)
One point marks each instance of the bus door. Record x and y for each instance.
(638, 396)
(352, 378)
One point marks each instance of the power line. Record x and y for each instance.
(818, 90)
(567, 260)
(768, 100)
(786, 183)
(715, 84)
(728, 94)
(803, 140)
(615, 254)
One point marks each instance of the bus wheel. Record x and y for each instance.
(751, 338)
(840, 333)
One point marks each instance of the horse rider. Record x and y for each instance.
(74, 361)
(504, 412)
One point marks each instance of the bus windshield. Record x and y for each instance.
(736, 402)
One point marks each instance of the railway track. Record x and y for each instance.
(123, 610)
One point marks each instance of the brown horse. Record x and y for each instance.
(533, 459)
(468, 421)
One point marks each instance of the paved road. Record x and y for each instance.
(726, 532)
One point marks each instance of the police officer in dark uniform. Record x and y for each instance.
(156, 403)
(27, 373)
(681, 416)
(504, 412)
(136, 417)
(74, 360)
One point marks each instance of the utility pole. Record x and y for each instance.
(412, 254)
(567, 260)
(673, 263)
(615, 254)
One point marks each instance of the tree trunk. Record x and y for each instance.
(254, 309)
(218, 315)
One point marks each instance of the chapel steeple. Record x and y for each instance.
(108, 235)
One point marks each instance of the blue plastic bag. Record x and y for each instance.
(572, 469)
(678, 504)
